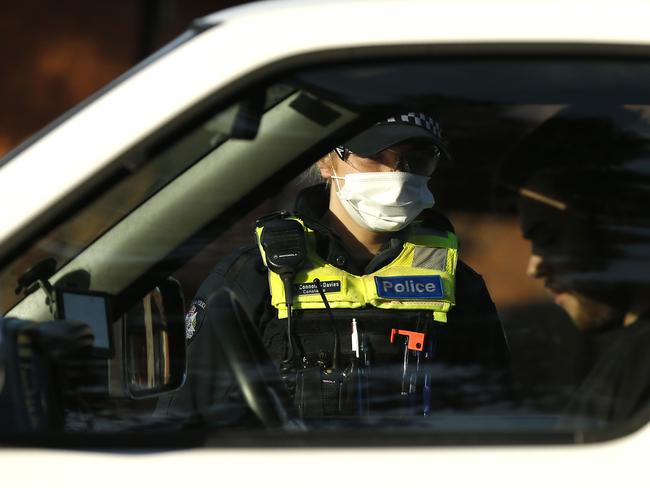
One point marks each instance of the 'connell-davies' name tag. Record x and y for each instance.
(310, 288)
(409, 287)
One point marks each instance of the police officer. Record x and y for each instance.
(380, 301)
(581, 179)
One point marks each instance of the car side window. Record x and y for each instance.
(411, 249)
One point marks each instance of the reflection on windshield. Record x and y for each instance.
(577, 200)
(75, 234)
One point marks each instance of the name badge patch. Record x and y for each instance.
(310, 288)
(409, 287)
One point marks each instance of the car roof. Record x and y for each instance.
(523, 19)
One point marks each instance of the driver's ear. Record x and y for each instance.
(326, 165)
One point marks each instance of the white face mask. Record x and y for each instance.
(384, 201)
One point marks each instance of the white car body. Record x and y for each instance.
(252, 38)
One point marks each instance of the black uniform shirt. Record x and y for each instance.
(616, 385)
(472, 336)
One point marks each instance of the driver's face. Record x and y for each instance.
(564, 254)
(585, 312)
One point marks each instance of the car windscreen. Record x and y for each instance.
(510, 306)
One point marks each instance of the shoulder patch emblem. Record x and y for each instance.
(194, 317)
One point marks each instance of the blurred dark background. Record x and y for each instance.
(55, 53)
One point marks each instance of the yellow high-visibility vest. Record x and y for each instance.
(421, 277)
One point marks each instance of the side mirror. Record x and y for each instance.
(143, 347)
(150, 345)
(88, 354)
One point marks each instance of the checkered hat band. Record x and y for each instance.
(417, 119)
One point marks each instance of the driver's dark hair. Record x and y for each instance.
(597, 158)
(595, 162)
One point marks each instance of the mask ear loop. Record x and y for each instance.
(340, 151)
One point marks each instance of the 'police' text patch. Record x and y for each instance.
(409, 287)
(310, 288)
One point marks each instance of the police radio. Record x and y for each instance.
(283, 241)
